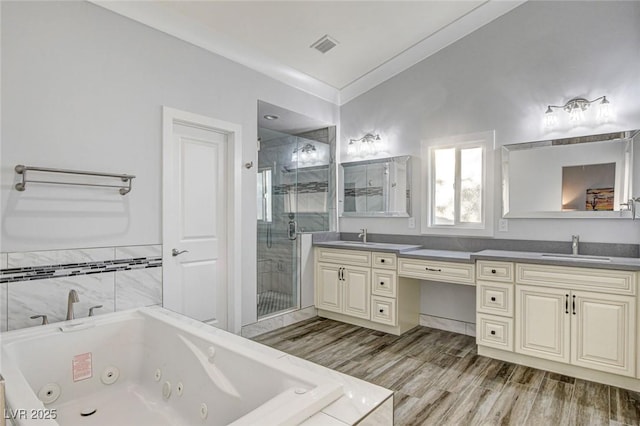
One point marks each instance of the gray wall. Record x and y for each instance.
(502, 77)
(82, 88)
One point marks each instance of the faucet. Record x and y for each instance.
(575, 240)
(73, 298)
(363, 235)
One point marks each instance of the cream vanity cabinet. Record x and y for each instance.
(362, 288)
(578, 321)
(581, 316)
(343, 282)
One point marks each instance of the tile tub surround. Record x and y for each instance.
(38, 283)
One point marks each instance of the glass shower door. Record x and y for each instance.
(278, 282)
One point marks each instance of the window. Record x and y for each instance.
(457, 175)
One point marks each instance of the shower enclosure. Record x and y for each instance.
(294, 175)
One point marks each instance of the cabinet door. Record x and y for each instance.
(357, 291)
(603, 332)
(328, 287)
(542, 322)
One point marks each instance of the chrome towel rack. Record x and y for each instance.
(124, 188)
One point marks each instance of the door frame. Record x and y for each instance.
(233, 131)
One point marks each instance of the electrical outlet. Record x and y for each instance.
(411, 223)
(503, 225)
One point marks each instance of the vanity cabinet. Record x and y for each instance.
(587, 329)
(344, 289)
(494, 304)
(362, 287)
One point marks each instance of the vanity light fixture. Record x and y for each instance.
(576, 108)
(304, 154)
(369, 144)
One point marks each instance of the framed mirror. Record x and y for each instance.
(580, 177)
(376, 188)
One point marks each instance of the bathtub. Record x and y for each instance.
(152, 367)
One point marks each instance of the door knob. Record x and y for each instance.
(176, 252)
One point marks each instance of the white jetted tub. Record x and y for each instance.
(150, 367)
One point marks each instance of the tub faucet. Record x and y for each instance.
(363, 235)
(73, 298)
(575, 240)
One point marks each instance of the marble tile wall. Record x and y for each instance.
(38, 283)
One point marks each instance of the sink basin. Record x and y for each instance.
(579, 257)
(360, 243)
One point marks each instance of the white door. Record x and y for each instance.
(357, 291)
(195, 223)
(328, 287)
(603, 332)
(543, 322)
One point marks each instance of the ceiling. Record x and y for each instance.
(376, 39)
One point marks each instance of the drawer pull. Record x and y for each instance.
(493, 271)
(381, 260)
(381, 282)
(493, 299)
(382, 311)
(493, 332)
(433, 270)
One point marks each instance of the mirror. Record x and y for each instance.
(580, 177)
(376, 188)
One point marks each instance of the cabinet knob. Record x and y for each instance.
(493, 332)
(381, 260)
(493, 299)
(382, 311)
(381, 282)
(493, 271)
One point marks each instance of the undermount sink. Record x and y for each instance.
(360, 243)
(579, 257)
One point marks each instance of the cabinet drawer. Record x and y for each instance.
(383, 310)
(451, 272)
(494, 298)
(383, 283)
(575, 278)
(495, 332)
(343, 257)
(495, 271)
(384, 260)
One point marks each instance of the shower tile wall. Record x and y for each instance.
(35, 283)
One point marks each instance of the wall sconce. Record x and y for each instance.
(576, 108)
(367, 145)
(304, 154)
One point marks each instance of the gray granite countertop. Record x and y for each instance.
(602, 262)
(359, 245)
(560, 259)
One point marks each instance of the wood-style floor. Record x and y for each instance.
(439, 379)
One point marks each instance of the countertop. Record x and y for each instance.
(560, 259)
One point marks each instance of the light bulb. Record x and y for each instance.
(576, 115)
(604, 110)
(550, 118)
(351, 148)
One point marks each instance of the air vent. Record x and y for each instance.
(325, 44)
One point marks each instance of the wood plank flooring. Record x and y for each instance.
(439, 379)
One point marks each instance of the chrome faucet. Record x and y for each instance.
(575, 240)
(363, 235)
(73, 298)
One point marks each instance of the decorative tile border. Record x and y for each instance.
(31, 273)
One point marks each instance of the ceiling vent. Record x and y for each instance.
(325, 44)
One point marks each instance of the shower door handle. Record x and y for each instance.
(292, 229)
